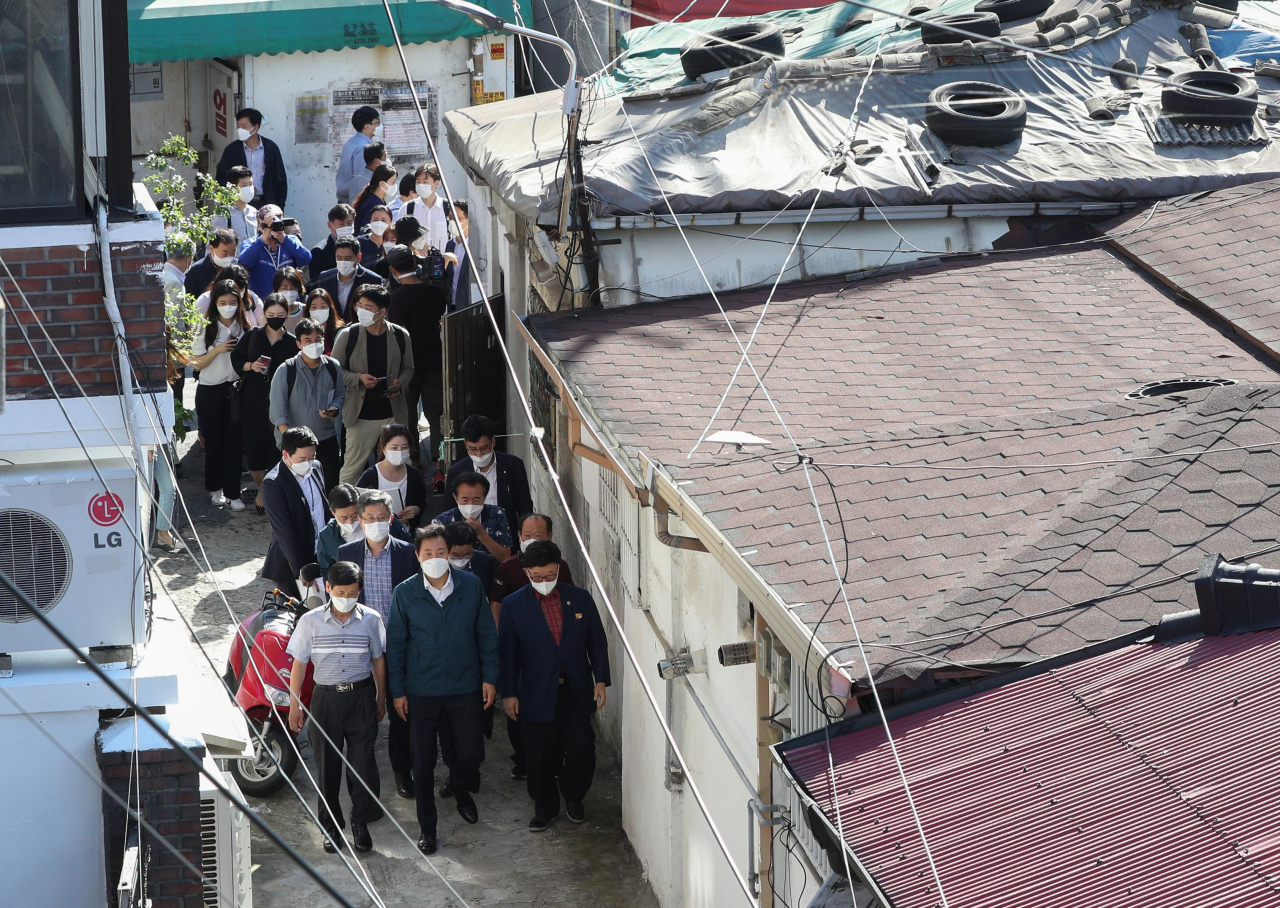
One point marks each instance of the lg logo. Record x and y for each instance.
(106, 509)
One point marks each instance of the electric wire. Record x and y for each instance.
(137, 537)
(549, 463)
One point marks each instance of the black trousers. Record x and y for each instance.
(399, 743)
(327, 454)
(448, 752)
(564, 747)
(427, 387)
(350, 719)
(516, 738)
(461, 713)
(223, 451)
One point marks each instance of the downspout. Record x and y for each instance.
(662, 518)
(117, 328)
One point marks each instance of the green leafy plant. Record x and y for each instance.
(185, 229)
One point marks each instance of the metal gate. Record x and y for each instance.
(475, 376)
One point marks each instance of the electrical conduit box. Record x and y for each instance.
(67, 544)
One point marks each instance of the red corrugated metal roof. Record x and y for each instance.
(1146, 777)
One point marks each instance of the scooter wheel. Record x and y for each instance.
(266, 772)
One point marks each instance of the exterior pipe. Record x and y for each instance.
(117, 327)
(662, 525)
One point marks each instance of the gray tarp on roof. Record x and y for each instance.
(761, 144)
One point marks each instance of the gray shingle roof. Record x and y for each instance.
(1012, 359)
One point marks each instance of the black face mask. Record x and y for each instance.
(275, 322)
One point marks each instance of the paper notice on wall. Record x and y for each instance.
(401, 125)
(311, 119)
(342, 104)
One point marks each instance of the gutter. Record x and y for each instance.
(117, 326)
(868, 213)
(795, 635)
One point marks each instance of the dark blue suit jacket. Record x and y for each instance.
(404, 563)
(329, 281)
(293, 538)
(275, 188)
(531, 662)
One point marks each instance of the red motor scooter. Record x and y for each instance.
(258, 655)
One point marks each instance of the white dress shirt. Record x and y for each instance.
(256, 161)
(444, 592)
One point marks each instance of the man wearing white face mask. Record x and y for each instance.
(367, 124)
(243, 217)
(489, 521)
(347, 274)
(293, 494)
(555, 668)
(506, 474)
(341, 222)
(274, 248)
(221, 252)
(387, 562)
(377, 363)
(442, 663)
(260, 155)
(308, 390)
(345, 642)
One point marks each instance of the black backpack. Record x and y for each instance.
(291, 375)
(351, 332)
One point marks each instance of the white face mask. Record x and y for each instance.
(301, 469)
(343, 604)
(246, 193)
(366, 317)
(424, 190)
(290, 295)
(459, 562)
(525, 543)
(377, 530)
(378, 228)
(395, 458)
(344, 231)
(420, 243)
(319, 316)
(377, 131)
(386, 247)
(315, 351)
(544, 586)
(351, 531)
(388, 190)
(435, 568)
(470, 511)
(227, 311)
(346, 269)
(482, 463)
(224, 261)
(243, 134)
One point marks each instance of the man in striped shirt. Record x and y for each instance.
(344, 642)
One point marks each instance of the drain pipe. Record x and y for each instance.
(662, 519)
(117, 326)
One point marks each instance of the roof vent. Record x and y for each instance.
(1177, 386)
(1232, 599)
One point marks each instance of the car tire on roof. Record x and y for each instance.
(1198, 95)
(975, 113)
(1013, 10)
(939, 30)
(751, 41)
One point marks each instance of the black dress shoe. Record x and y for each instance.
(466, 806)
(445, 791)
(577, 813)
(332, 843)
(404, 785)
(539, 823)
(427, 844)
(361, 841)
(519, 772)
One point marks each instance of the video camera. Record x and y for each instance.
(431, 268)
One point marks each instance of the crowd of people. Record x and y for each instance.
(319, 372)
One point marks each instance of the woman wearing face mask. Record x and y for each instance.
(290, 283)
(394, 475)
(256, 359)
(248, 299)
(380, 191)
(322, 311)
(382, 232)
(215, 408)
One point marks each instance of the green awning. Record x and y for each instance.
(167, 30)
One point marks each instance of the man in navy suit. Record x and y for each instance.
(386, 562)
(293, 495)
(555, 660)
(508, 479)
(261, 156)
(342, 280)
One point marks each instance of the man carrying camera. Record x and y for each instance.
(274, 248)
(418, 304)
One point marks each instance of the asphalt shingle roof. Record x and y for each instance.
(1014, 359)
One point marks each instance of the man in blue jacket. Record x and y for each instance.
(442, 668)
(555, 667)
(271, 251)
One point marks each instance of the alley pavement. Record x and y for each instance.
(496, 862)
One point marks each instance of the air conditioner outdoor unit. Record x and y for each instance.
(65, 544)
(225, 857)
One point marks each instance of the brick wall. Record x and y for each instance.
(170, 801)
(64, 286)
